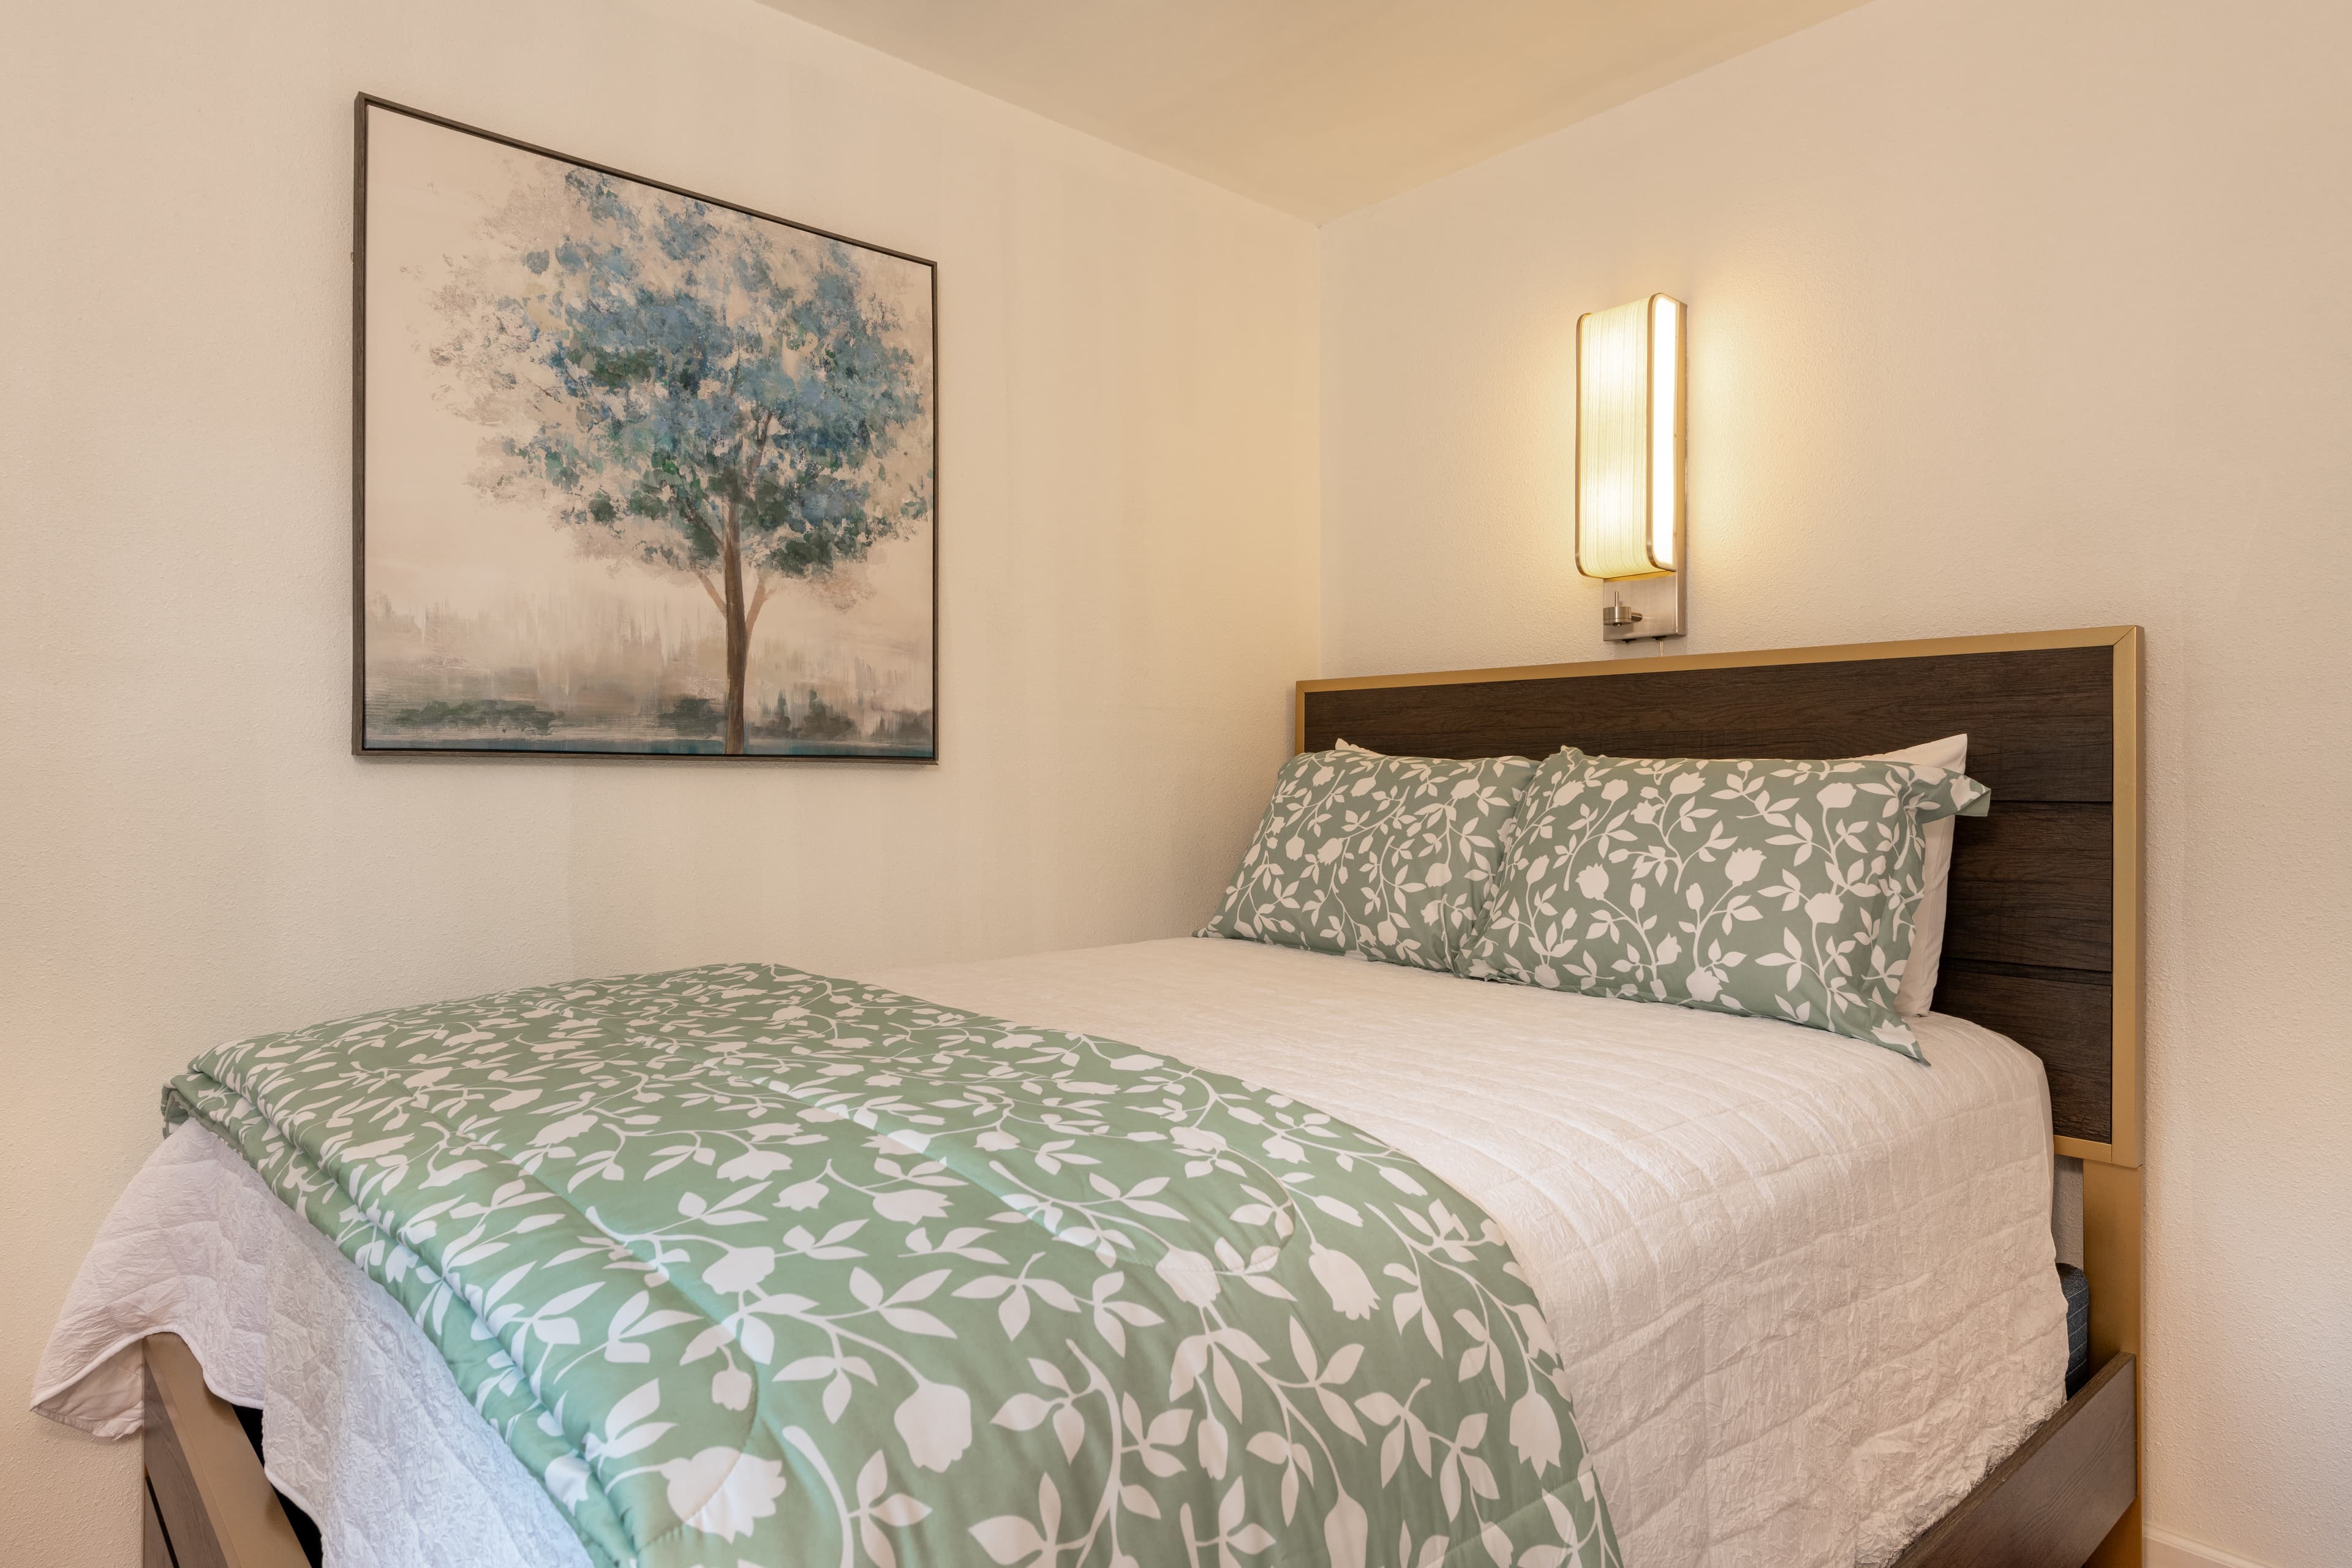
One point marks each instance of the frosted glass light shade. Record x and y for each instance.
(1629, 438)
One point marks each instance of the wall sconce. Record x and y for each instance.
(1629, 464)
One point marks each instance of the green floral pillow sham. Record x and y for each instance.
(1783, 889)
(1385, 857)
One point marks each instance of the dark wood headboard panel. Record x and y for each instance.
(2042, 936)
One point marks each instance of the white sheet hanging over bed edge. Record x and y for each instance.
(1803, 1287)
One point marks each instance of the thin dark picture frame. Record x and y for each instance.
(361, 103)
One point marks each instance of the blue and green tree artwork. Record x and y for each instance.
(644, 473)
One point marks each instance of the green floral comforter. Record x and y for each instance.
(752, 1266)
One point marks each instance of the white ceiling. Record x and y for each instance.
(1316, 107)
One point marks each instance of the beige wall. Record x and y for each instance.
(186, 851)
(2004, 315)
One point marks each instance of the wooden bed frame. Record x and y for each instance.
(206, 1503)
(2042, 939)
(2042, 943)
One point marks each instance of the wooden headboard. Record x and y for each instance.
(2043, 937)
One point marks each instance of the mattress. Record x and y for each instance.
(2076, 1285)
(1803, 1287)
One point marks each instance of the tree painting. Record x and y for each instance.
(699, 402)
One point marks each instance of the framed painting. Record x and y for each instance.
(635, 472)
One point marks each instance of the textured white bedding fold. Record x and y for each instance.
(1802, 1285)
(366, 1429)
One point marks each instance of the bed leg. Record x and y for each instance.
(2111, 1257)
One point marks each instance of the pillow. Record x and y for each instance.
(1783, 889)
(1918, 991)
(1916, 994)
(1385, 857)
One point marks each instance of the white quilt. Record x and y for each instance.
(1803, 1287)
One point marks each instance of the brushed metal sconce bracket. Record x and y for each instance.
(1637, 609)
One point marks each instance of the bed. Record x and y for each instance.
(1803, 1297)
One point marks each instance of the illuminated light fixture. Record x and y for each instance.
(1629, 464)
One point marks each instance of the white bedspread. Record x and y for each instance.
(1803, 1287)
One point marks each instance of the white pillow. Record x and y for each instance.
(1918, 988)
(1917, 991)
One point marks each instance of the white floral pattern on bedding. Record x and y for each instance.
(1783, 889)
(1383, 858)
(750, 1265)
